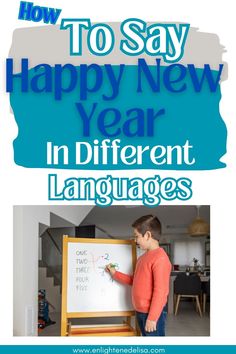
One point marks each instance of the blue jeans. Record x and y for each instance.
(160, 330)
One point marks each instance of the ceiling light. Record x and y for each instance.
(199, 227)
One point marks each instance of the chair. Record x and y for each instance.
(206, 292)
(187, 286)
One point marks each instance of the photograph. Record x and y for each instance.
(119, 271)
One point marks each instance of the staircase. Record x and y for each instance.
(53, 291)
(50, 264)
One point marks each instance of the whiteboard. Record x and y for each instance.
(89, 287)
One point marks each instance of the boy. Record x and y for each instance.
(150, 282)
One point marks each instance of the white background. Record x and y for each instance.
(217, 188)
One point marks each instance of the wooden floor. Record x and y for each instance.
(186, 323)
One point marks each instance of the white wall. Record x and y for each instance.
(25, 252)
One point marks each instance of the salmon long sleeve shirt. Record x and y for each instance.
(150, 282)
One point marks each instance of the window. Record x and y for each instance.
(185, 251)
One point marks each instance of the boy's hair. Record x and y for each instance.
(148, 223)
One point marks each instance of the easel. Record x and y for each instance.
(125, 329)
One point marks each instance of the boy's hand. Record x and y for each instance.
(111, 269)
(150, 326)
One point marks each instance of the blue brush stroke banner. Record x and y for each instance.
(189, 116)
(106, 349)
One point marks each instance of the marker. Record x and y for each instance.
(113, 265)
